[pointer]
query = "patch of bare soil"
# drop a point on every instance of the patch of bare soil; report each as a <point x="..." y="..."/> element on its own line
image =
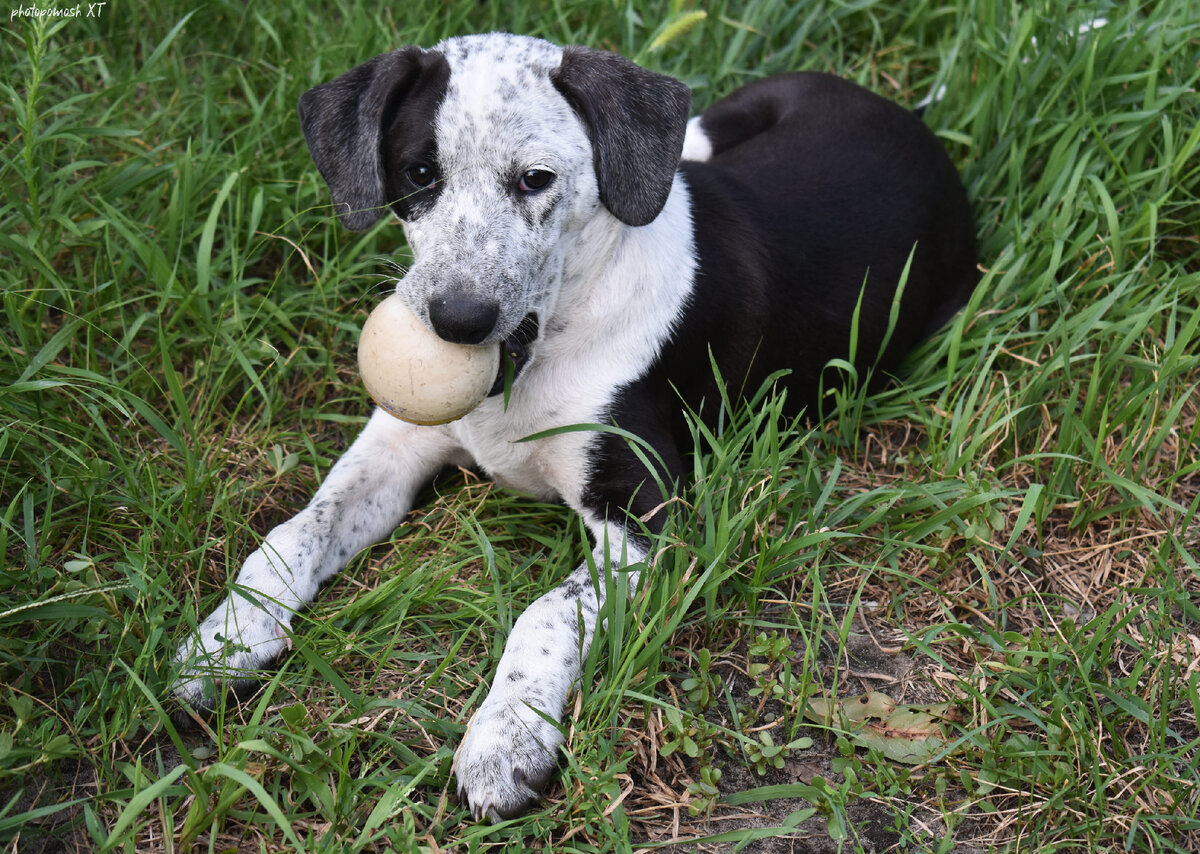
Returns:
<point x="58" y="784"/>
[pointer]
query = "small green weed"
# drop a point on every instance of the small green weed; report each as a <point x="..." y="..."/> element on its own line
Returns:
<point x="703" y="793"/>
<point x="764" y="753"/>
<point x="704" y="687"/>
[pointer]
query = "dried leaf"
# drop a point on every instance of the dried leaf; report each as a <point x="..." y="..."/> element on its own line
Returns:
<point x="909" y="734"/>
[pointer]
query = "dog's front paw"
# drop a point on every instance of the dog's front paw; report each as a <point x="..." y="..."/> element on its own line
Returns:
<point x="507" y="754"/>
<point x="226" y="651"/>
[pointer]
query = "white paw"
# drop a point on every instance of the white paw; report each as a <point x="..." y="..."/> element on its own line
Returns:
<point x="507" y="754"/>
<point x="227" y="650"/>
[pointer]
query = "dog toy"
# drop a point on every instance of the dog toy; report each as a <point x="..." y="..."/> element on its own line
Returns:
<point x="415" y="375"/>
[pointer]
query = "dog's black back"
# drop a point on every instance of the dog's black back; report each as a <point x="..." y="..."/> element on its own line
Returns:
<point x="815" y="194"/>
<point x="836" y="187"/>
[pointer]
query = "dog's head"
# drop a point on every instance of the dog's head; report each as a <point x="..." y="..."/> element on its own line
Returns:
<point x="496" y="152"/>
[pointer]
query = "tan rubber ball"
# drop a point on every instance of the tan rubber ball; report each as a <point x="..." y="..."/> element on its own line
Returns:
<point x="415" y="375"/>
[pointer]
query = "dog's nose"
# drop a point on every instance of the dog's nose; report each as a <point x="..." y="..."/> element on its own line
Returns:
<point x="463" y="319"/>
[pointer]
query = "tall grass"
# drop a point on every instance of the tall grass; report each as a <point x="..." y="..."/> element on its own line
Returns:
<point x="1017" y="512"/>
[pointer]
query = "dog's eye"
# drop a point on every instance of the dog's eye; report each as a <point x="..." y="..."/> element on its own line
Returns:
<point x="534" y="180"/>
<point x="420" y="174"/>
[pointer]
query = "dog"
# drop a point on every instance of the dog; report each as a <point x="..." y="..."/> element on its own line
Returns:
<point x="560" y="203"/>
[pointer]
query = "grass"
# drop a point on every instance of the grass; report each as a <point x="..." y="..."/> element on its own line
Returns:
<point x="1011" y="527"/>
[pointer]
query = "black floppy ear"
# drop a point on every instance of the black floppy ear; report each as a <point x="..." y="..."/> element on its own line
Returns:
<point x="636" y="120"/>
<point x="343" y="123"/>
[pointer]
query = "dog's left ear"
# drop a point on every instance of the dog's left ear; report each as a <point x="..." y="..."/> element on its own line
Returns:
<point x="636" y="120"/>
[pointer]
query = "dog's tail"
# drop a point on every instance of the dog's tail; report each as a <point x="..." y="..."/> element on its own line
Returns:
<point x="696" y="144"/>
<point x="932" y="98"/>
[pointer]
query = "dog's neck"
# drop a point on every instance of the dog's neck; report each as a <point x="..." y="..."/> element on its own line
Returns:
<point x="628" y="285"/>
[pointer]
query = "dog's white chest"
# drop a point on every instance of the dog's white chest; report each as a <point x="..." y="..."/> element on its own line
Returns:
<point x="500" y="439"/>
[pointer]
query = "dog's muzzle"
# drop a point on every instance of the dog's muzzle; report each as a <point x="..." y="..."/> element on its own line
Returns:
<point x="514" y="353"/>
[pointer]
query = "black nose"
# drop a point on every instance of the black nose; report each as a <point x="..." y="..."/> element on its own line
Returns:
<point x="463" y="319"/>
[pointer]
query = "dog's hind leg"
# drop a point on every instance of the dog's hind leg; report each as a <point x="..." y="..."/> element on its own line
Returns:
<point x="363" y="498"/>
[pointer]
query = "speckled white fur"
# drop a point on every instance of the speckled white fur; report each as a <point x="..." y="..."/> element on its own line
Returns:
<point x="607" y="295"/>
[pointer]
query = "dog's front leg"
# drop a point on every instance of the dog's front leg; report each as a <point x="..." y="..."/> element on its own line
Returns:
<point x="510" y="748"/>
<point x="366" y="494"/>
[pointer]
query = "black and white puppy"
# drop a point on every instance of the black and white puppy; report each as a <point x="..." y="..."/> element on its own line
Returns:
<point x="543" y="195"/>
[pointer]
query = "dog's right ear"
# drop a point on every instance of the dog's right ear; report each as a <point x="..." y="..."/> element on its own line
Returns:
<point x="343" y="123"/>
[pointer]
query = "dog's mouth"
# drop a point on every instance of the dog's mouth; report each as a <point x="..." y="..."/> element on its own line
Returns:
<point x="514" y="353"/>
